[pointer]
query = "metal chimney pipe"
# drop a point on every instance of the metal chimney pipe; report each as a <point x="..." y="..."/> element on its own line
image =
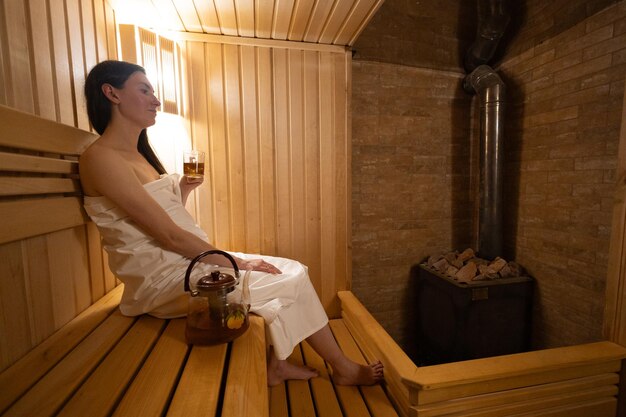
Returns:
<point x="493" y="18"/>
<point x="491" y="91"/>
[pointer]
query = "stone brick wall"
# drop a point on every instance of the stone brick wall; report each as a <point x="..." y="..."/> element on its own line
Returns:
<point x="427" y="34"/>
<point x="414" y="152"/>
<point x="410" y="180"/>
<point x="562" y="132"/>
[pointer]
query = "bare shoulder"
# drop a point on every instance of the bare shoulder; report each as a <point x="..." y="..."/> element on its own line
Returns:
<point x="97" y="165"/>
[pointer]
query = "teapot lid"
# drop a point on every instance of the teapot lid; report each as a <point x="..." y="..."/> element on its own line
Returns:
<point x="216" y="281"/>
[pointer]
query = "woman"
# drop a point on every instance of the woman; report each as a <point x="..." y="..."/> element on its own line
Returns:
<point x="150" y="237"/>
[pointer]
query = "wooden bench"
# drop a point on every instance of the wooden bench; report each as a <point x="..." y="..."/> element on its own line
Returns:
<point x="67" y="350"/>
<point x="97" y="361"/>
<point x="581" y="380"/>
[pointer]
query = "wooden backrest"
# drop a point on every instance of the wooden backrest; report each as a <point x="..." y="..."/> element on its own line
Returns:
<point x="39" y="162"/>
<point x="51" y="261"/>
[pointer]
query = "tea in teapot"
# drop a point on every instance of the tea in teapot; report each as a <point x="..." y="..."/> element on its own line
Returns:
<point x="213" y="315"/>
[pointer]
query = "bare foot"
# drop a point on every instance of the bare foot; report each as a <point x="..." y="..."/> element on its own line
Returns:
<point x="357" y="374"/>
<point x="278" y="371"/>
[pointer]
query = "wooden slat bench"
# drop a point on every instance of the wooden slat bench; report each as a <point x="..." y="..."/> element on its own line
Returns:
<point x="103" y="363"/>
<point x="78" y="355"/>
<point x="66" y="349"/>
<point x="581" y="380"/>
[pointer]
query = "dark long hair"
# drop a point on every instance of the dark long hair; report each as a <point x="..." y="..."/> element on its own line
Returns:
<point x="99" y="107"/>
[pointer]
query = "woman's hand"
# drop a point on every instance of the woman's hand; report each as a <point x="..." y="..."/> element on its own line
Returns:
<point x="188" y="184"/>
<point x="257" y="265"/>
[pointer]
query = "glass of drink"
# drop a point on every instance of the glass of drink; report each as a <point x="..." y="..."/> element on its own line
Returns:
<point x="193" y="163"/>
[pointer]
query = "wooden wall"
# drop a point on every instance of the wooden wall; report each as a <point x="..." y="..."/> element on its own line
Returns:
<point x="46" y="49"/>
<point x="273" y="118"/>
<point x="274" y="121"/>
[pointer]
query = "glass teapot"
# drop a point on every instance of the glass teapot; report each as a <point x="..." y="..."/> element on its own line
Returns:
<point x="213" y="315"/>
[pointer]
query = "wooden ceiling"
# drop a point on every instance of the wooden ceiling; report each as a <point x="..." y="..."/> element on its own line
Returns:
<point x="332" y="22"/>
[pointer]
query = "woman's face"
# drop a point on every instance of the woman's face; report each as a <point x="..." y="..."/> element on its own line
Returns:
<point x="137" y="101"/>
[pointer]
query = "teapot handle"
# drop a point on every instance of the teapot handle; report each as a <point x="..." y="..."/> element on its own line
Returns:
<point x="202" y="255"/>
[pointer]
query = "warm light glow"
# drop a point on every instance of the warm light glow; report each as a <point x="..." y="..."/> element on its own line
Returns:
<point x="135" y="12"/>
<point x="169" y="139"/>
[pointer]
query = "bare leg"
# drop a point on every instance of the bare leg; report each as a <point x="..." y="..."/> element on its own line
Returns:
<point x="279" y="371"/>
<point x="346" y="372"/>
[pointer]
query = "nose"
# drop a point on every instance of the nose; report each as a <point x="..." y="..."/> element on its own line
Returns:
<point x="156" y="101"/>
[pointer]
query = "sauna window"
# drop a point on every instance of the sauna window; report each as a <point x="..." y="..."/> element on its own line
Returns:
<point x="160" y="57"/>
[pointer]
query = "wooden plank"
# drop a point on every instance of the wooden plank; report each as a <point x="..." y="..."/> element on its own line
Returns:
<point x="50" y="393"/>
<point x="300" y="399"/>
<point x="100" y="392"/>
<point x="338" y="16"/>
<point x="267" y="151"/>
<point x="29" y="163"/>
<point x="355" y="21"/>
<point x="218" y="147"/>
<point x="283" y="10"/>
<point x="503" y="398"/>
<point x="90" y="46"/>
<point x="43" y="135"/>
<point x="128" y="43"/>
<point x="326" y="403"/>
<point x="101" y="34"/>
<point x="28" y="218"/>
<point x="233" y="152"/>
<point x="23" y="374"/>
<point x="265" y="43"/>
<point x="349" y="397"/>
<point x="18" y="65"/>
<point x="188" y="14"/>
<point x="512" y="371"/>
<point x="284" y="232"/>
<point x="111" y="29"/>
<point x="67" y="251"/>
<point x="94" y="252"/>
<point x="245" y="17"/>
<point x="317" y="21"/>
<point x="150" y="391"/>
<point x="60" y="275"/>
<point x="383" y="346"/>
<point x="537" y="405"/>
<point x="77" y="57"/>
<point x="250" y="148"/>
<point x="311" y="142"/>
<point x="38" y="288"/>
<point x="376" y="344"/>
<point x="502" y="383"/>
<point x="297" y="161"/>
<point x="199" y="386"/>
<point x="278" y="401"/>
<point x="208" y="17"/>
<point x="62" y="71"/>
<point x="246" y="385"/>
<point x="328" y="197"/>
<point x="342" y="193"/>
<point x="377" y="402"/>
<point x="44" y="93"/>
<point x="227" y="16"/>
<point x="300" y="19"/>
<point x="12" y="186"/>
<point x="16" y="338"/>
<point x="604" y="407"/>
<point x="264" y="10"/>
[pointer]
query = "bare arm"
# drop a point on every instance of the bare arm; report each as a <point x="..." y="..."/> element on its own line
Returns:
<point x="108" y="174"/>
<point x="187" y="185"/>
